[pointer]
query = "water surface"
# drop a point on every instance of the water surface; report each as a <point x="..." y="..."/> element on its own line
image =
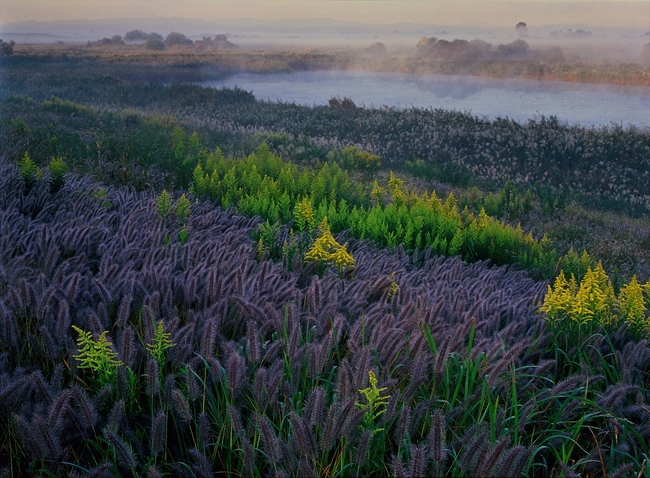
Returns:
<point x="574" y="103"/>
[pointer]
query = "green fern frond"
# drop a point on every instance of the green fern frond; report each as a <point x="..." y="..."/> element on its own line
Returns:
<point x="160" y="343"/>
<point x="97" y="356"/>
<point x="375" y="399"/>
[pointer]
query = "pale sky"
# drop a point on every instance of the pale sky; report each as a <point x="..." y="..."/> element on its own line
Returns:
<point x="617" y="13"/>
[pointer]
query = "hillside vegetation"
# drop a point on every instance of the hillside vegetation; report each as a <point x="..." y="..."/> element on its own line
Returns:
<point x="195" y="283"/>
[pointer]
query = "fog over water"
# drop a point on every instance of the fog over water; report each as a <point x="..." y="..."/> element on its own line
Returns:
<point x="574" y="103"/>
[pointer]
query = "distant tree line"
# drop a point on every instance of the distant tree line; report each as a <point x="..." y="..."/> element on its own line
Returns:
<point x="114" y="40"/>
<point x="139" y="35"/>
<point x="570" y="33"/>
<point x="155" y="41"/>
<point x="219" y="42"/>
<point x="433" y="48"/>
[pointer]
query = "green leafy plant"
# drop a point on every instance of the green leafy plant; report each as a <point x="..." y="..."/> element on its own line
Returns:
<point x="101" y="195"/>
<point x="97" y="355"/>
<point x="396" y="189"/>
<point x="377" y="194"/>
<point x="159" y="344"/>
<point x="375" y="404"/>
<point x="164" y="205"/>
<point x="261" y="249"/>
<point x="303" y="214"/>
<point x="57" y="168"/>
<point x="182" y="236"/>
<point x="183" y="210"/>
<point x="28" y="170"/>
<point x="353" y="158"/>
<point x="576" y="264"/>
<point x="267" y="233"/>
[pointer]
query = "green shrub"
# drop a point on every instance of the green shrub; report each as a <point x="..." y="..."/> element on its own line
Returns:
<point x="29" y="171"/>
<point x="57" y="168"/>
<point x="265" y="185"/>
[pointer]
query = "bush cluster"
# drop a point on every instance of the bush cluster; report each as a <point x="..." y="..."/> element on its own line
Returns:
<point x="592" y="303"/>
<point x="265" y="185"/>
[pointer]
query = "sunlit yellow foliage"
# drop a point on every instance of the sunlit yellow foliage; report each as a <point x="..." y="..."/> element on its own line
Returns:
<point x="394" y="286"/>
<point x="631" y="305"/>
<point x="159" y="344"/>
<point x="596" y="298"/>
<point x="261" y="249"/>
<point x="304" y="215"/>
<point x="342" y="259"/>
<point x="395" y="188"/>
<point x="377" y="194"/>
<point x="594" y="303"/>
<point x="559" y="300"/>
<point x="97" y="355"/>
<point x="376" y="402"/>
<point x="200" y="181"/>
<point x="326" y="250"/>
<point x="390" y="214"/>
<point x="482" y="220"/>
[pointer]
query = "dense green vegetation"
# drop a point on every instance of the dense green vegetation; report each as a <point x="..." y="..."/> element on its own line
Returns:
<point x="226" y="298"/>
<point x="265" y="185"/>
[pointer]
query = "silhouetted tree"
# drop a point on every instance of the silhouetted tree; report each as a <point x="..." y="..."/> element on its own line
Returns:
<point x="377" y="48"/>
<point x="7" y="48"/>
<point x="135" y="35"/>
<point x="522" y="29"/>
<point x="447" y="50"/>
<point x="554" y="54"/>
<point x="175" y="38"/>
<point x="155" y="44"/>
<point x="517" y="48"/>
<point x="219" y="42"/>
<point x="425" y="45"/>
<point x="483" y="46"/>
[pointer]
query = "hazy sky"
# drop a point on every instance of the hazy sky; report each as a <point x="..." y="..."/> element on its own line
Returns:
<point x="625" y="13"/>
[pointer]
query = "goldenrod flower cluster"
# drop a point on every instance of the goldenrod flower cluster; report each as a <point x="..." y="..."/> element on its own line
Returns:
<point x="326" y="250"/>
<point x="594" y="303"/>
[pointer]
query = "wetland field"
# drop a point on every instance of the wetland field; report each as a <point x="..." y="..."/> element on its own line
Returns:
<point x="323" y="262"/>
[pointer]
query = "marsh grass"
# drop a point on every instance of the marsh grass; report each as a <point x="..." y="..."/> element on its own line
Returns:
<point x="232" y="361"/>
<point x="264" y="377"/>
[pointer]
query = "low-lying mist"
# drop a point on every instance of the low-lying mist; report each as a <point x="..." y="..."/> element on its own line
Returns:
<point x="578" y="42"/>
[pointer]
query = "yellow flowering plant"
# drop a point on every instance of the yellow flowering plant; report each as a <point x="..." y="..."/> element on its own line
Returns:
<point x="326" y="251"/>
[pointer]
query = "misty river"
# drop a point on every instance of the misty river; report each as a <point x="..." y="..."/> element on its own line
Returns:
<point x="574" y="103"/>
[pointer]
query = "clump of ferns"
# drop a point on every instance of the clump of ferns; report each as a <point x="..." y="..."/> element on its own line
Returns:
<point x="271" y="243"/>
<point x="266" y="236"/>
<point x="52" y="175"/>
<point x="98" y="357"/>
